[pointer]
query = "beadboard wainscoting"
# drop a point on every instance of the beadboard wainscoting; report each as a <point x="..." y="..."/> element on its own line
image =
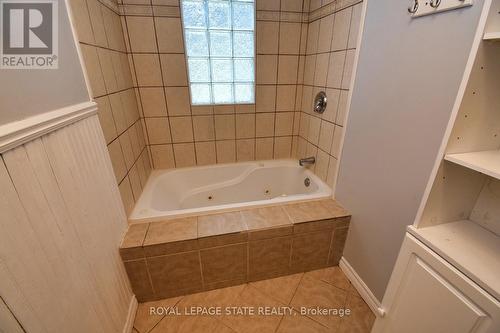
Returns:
<point x="62" y="221"/>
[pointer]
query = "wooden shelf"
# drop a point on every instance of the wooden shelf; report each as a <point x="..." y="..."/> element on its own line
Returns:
<point x="487" y="162"/>
<point x="491" y="35"/>
<point x="473" y="250"/>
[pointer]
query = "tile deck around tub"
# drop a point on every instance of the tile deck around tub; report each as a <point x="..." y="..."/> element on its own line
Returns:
<point x="188" y="255"/>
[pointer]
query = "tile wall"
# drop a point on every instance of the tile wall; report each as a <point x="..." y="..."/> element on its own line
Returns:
<point x="331" y="46"/>
<point x="134" y="55"/>
<point x="179" y="134"/>
<point x="100" y="35"/>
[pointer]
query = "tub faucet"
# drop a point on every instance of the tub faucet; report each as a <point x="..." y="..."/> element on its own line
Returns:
<point x="307" y="160"/>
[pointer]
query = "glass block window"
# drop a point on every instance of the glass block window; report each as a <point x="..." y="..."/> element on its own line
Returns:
<point x="219" y="37"/>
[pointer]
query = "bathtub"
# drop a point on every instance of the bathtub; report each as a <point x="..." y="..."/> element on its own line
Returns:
<point x="225" y="187"/>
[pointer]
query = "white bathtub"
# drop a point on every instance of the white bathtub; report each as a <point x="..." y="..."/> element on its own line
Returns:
<point x="225" y="187"/>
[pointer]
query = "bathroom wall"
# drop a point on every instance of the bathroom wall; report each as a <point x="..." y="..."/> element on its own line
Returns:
<point x="408" y="76"/>
<point x="102" y="43"/>
<point x="61" y="214"/>
<point x="179" y="134"/>
<point x="331" y="46"/>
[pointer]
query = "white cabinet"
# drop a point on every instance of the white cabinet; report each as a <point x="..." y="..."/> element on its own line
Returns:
<point x="428" y="295"/>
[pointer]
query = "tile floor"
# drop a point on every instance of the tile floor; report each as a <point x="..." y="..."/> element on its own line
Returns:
<point x="325" y="288"/>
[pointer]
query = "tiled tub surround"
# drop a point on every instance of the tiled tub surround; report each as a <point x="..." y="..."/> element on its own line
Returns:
<point x="180" y="134"/>
<point x="188" y="255"/>
<point x="99" y="31"/>
<point x="331" y="47"/>
<point x="216" y="188"/>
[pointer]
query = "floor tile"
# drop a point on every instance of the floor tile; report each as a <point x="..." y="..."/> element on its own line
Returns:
<point x="186" y="324"/>
<point x="313" y="293"/>
<point x="333" y="276"/>
<point x="361" y="318"/>
<point x="281" y="289"/>
<point x="300" y="324"/>
<point x="252" y="298"/>
<point x="144" y="321"/>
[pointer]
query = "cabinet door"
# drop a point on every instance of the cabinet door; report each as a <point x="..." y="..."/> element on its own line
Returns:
<point x="426" y="294"/>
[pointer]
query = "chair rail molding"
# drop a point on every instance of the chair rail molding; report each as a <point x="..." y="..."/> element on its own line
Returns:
<point x="16" y="133"/>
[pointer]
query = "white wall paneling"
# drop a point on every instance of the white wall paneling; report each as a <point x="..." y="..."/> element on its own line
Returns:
<point x="62" y="222"/>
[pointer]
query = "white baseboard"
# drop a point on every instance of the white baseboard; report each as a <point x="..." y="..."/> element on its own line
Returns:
<point x="362" y="288"/>
<point x="132" y="309"/>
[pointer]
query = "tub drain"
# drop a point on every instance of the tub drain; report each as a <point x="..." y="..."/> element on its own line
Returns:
<point x="210" y="197"/>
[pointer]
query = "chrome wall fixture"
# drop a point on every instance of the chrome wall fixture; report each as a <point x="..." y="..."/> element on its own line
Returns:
<point x="320" y="102"/>
<point x="413" y="7"/>
<point x="418" y="8"/>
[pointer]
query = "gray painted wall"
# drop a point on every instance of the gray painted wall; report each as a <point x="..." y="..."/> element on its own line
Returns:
<point x="408" y="76"/>
<point x="25" y="93"/>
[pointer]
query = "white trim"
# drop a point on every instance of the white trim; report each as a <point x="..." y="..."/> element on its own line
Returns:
<point x="362" y="288"/>
<point x="19" y="132"/>
<point x="132" y="309"/>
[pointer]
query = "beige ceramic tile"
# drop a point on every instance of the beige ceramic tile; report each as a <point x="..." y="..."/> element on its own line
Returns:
<point x="355" y="24"/>
<point x="281" y="289"/>
<point x="219" y="224"/>
<point x="178" y="101"/>
<point x="265" y="124"/>
<point x="184" y="155"/>
<point x="162" y="156"/>
<point x="314" y="293"/>
<point x="269" y="257"/>
<point x="205" y="153"/>
<point x="267" y="37"/>
<point x="341" y="29"/>
<point x="292" y="5"/>
<point x="265" y="97"/>
<point x="153" y="102"/>
<point x="285" y="98"/>
<point x="185" y="324"/>
<point x="225" y="127"/>
<point x="310" y="66"/>
<point x="106" y="118"/>
<point x="284" y="124"/>
<point x="322" y="160"/>
<point x="348" y="68"/>
<point x="312" y="37"/>
<point x="301" y="324"/>
<point x="204" y="129"/>
<point x="226" y="151"/>
<point x="137" y="273"/>
<point x="337" y="137"/>
<point x="361" y="318"/>
<point x="282" y="147"/>
<point x="173" y="68"/>
<point x="82" y="21"/>
<point x="315" y="210"/>
<point x="265" y="217"/>
<point x="336" y="69"/>
<point x="141" y="32"/>
<point x="245" y="150"/>
<point x="330" y="113"/>
<point x="287" y="69"/>
<point x="169" y="34"/>
<point x="158" y="130"/>
<point x="93" y="68"/>
<point x="147" y="68"/>
<point x="251" y="297"/>
<point x="97" y="22"/>
<point x="321" y="70"/>
<point x="326" y="136"/>
<point x="264" y="149"/>
<point x="332" y="275"/>
<point x="268" y="5"/>
<point x="182" y="129"/>
<point x="144" y="321"/>
<point x="267" y="69"/>
<point x="313" y="133"/>
<point x="289" y="37"/>
<point x="310" y="250"/>
<point x="117" y="160"/>
<point x="325" y="33"/>
<point x="224" y="263"/>
<point x="175" y="273"/>
<point x="245" y="126"/>
<point x="131" y="246"/>
<point x="172" y="231"/>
